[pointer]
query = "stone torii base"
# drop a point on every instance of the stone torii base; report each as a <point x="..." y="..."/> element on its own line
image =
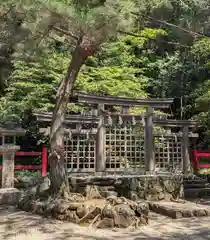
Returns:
<point x="8" y="194"/>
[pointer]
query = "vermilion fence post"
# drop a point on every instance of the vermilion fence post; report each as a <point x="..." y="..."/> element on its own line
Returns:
<point x="195" y="159"/>
<point x="44" y="161"/>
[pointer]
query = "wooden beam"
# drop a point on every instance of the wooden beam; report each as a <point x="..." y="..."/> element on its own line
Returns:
<point x="149" y="142"/>
<point x="175" y="123"/>
<point x="93" y="131"/>
<point x="12" y="132"/>
<point x="120" y="101"/>
<point x="100" y="143"/>
<point x="92" y="119"/>
<point x="180" y="135"/>
<point x="47" y="117"/>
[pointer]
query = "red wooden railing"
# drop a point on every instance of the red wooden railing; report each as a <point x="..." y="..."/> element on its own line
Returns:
<point x="42" y="167"/>
<point x="196" y="155"/>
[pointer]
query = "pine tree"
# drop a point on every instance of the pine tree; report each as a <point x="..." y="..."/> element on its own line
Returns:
<point x="89" y="23"/>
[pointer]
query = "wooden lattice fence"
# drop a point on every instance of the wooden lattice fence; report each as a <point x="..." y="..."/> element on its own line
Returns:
<point x="107" y="141"/>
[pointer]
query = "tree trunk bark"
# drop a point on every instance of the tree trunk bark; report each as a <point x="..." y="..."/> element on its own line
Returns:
<point x="58" y="171"/>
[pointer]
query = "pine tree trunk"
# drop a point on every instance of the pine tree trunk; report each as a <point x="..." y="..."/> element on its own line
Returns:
<point x="58" y="173"/>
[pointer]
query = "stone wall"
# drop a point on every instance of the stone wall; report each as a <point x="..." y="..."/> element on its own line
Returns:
<point x="148" y="187"/>
<point x="155" y="187"/>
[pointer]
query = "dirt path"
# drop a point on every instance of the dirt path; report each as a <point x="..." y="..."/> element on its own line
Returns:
<point x="18" y="225"/>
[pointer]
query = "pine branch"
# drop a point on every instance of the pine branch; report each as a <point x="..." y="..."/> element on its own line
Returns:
<point x="155" y="39"/>
<point x="55" y="13"/>
<point x="171" y="25"/>
<point x="4" y="15"/>
<point x="63" y="31"/>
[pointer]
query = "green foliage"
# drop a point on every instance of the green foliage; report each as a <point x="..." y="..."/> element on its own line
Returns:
<point x="201" y="52"/>
<point x="26" y="173"/>
<point x="123" y="74"/>
<point x="113" y="80"/>
<point x="201" y="55"/>
<point x="33" y="85"/>
<point x="93" y="19"/>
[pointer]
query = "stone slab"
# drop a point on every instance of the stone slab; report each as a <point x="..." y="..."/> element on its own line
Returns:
<point x="196" y="185"/>
<point x="9" y="196"/>
<point x="106" y="194"/>
<point x="177" y="210"/>
<point x="196" y="192"/>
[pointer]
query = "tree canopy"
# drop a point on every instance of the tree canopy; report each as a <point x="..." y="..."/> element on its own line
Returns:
<point x="167" y="55"/>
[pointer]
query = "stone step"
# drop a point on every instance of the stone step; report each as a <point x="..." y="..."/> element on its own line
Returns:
<point x="179" y="210"/>
<point x="203" y="176"/>
<point x="103" y="183"/>
<point x="196" y="185"/>
<point x="106" y="194"/>
<point x="106" y="188"/>
<point x="196" y="192"/>
<point x="195" y="181"/>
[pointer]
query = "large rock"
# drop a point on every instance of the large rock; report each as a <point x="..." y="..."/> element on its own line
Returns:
<point x="49" y="208"/>
<point x="92" y="192"/>
<point x="73" y="206"/>
<point x="106" y="194"/>
<point x="76" y="197"/>
<point x="71" y="216"/>
<point x="43" y="186"/>
<point x="141" y="208"/>
<point x="124" y="216"/>
<point x="105" y="223"/>
<point x="9" y="196"/>
<point x="82" y="210"/>
<point x="38" y="207"/>
<point x="33" y="185"/>
<point x="133" y="196"/>
<point x="122" y="221"/>
<point x="26" y="201"/>
<point x="125" y="210"/>
<point x="113" y="200"/>
<point x="60" y="206"/>
<point x="108" y="211"/>
<point x="93" y="211"/>
<point x="27" y="182"/>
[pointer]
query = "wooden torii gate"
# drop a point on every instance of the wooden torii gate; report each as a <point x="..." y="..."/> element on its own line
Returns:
<point x="97" y="120"/>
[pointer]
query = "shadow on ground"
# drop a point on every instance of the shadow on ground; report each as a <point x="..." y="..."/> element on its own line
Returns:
<point x="23" y="226"/>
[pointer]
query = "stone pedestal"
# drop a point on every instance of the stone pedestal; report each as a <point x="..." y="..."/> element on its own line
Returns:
<point x="8" y="165"/>
<point x="9" y="196"/>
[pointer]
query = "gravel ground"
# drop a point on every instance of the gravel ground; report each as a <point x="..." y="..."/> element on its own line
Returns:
<point x="19" y="225"/>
